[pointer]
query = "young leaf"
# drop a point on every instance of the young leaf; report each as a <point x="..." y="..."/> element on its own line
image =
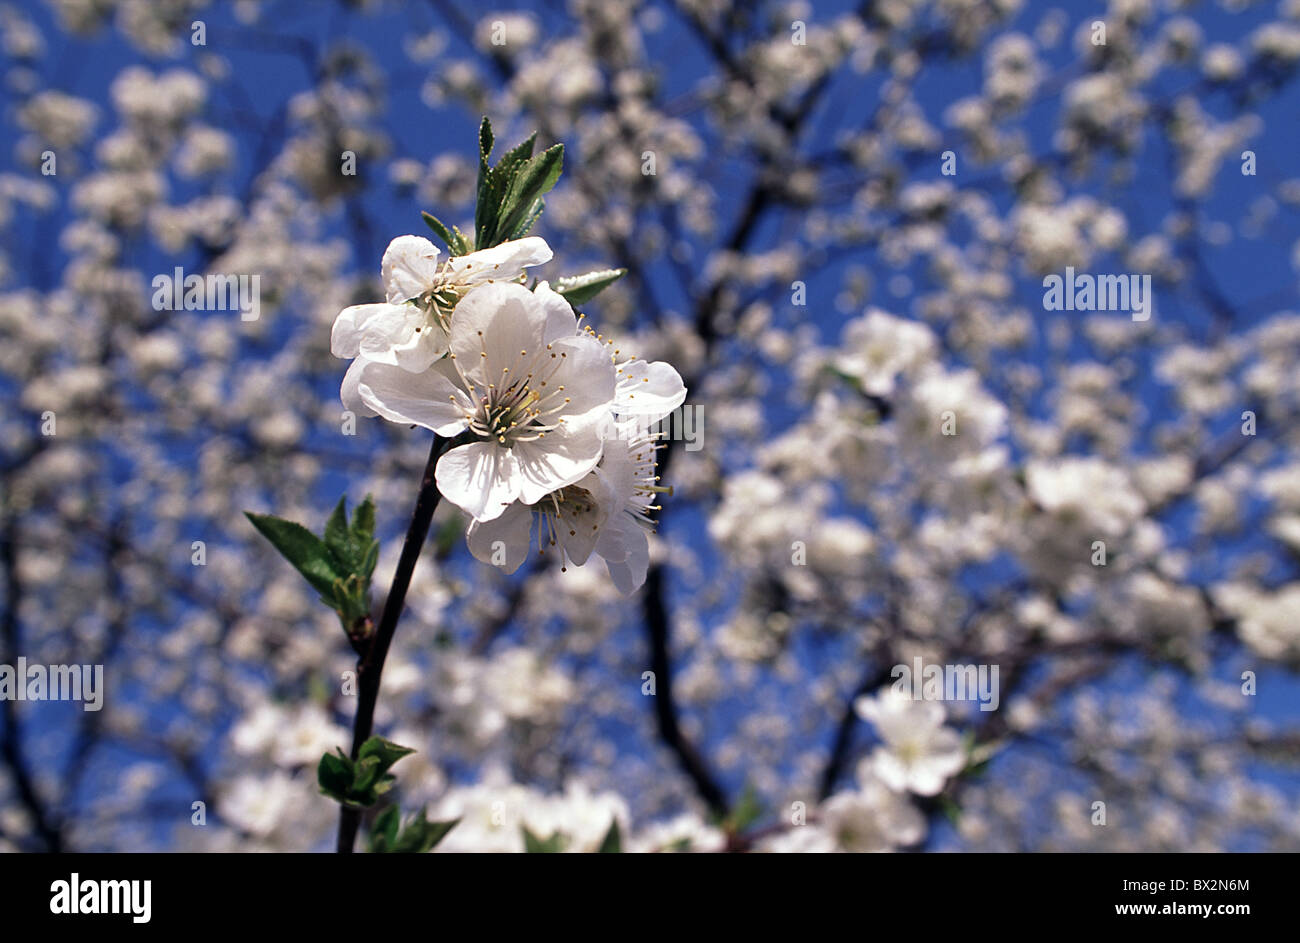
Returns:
<point x="365" y="774"/>
<point x="363" y="522"/>
<point x="534" y="179"/>
<point x="369" y="560"/>
<point x="485" y="141"/>
<point x="535" y="845"/>
<point x="530" y="218"/>
<point x="334" y="775"/>
<point x="612" y="842"/>
<point x="452" y="237"/>
<point x="579" y="289"/>
<point x="360" y="784"/>
<point x="425" y="835"/>
<point x="338" y="535"/>
<point x="484" y="209"/>
<point x="302" y="548"/>
<point x="746" y="812"/>
<point x="383" y="833"/>
<point x="416" y="837"/>
<point x="386" y="751"/>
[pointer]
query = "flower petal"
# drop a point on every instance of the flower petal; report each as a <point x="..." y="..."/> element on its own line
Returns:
<point x="560" y="319"/>
<point x="648" y="390"/>
<point x="629" y="574"/>
<point x="428" y="399"/>
<point x="349" y="393"/>
<point x="587" y="374"/>
<point x="503" y="321"/>
<point x="410" y="267"/>
<point x="392" y="334"/>
<point x="500" y="263"/>
<point x="562" y="458"/>
<point x="481" y="478"/>
<point x="350" y="327"/>
<point x="512" y="530"/>
<point x="579" y="524"/>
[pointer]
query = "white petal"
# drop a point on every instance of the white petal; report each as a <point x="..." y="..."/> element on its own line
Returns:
<point x="512" y="529"/>
<point x="503" y="321"/>
<point x="350" y="326"/>
<point x="619" y="537"/>
<point x="410" y="267"/>
<point x="629" y="574"/>
<point x="501" y="263"/>
<point x="349" y="393"/>
<point x="481" y="478"/>
<point x="649" y="390"/>
<point x="421" y="349"/>
<point x="562" y="458"/>
<point x="428" y="399"/>
<point x="889" y="770"/>
<point x="586" y="372"/>
<point x="560" y="319"/>
<point x="388" y="329"/>
<point x="578" y="529"/>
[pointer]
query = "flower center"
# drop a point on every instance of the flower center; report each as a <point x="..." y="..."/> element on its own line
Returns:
<point x="523" y="404"/>
<point x="438" y="302"/>
<point x="504" y="412"/>
<point x="562" y="513"/>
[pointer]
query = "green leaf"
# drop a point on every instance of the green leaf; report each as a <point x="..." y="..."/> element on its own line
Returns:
<point x="334" y="775"/>
<point x="338" y="535"/>
<point x="383" y="833"/>
<point x="421" y="835"/>
<point x="485" y="141"/>
<point x="484" y="208"/>
<point x="360" y="784"/>
<point x="451" y="237"/>
<point x="432" y="833"/>
<point x="307" y="552"/>
<point x="535" y="845"/>
<point x="579" y="289"/>
<point x="746" y="812"/>
<point x="533" y="180"/>
<point x="366" y="773"/>
<point x="530" y="219"/>
<point x="613" y="841"/>
<point x="386" y="751"/>
<point x="368" y="562"/>
<point x="416" y="837"/>
<point x="363" y="521"/>
<point x="509" y="194"/>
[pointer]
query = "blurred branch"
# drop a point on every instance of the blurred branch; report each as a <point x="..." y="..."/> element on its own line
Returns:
<point x="11" y="746"/>
<point x="666" y="712"/>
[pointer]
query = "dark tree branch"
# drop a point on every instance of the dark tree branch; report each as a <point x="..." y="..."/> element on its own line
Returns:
<point x="371" y="665"/>
<point x="11" y="746"/>
<point x="692" y="763"/>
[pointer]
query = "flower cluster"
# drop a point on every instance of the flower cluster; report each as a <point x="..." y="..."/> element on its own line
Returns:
<point x="553" y="427"/>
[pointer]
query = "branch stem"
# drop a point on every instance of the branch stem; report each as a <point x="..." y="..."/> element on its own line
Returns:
<point x="371" y="665"/>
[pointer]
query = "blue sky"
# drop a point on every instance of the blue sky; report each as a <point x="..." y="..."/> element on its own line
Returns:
<point x="270" y="66"/>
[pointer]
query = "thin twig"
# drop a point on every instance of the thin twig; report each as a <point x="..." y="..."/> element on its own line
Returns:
<point x="371" y="666"/>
